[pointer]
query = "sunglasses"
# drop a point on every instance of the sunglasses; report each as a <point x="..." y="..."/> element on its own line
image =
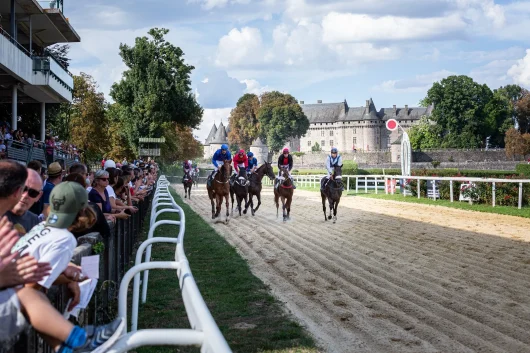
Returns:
<point x="104" y="179"/>
<point x="31" y="192"/>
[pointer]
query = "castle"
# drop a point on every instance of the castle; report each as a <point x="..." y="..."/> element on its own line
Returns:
<point x="338" y="125"/>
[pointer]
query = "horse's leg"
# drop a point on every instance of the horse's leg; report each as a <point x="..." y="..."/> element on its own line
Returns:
<point x="335" y="210"/>
<point x="324" y="198"/>
<point x="219" y="199"/>
<point x="283" y="209"/>
<point x="227" y="213"/>
<point x="232" y="197"/>
<point x="239" y="199"/>
<point x="184" y="190"/>
<point x="330" y="200"/>
<point x="213" y="206"/>
<point x="276" y="199"/>
<point x="246" y="203"/>
<point x="288" y="205"/>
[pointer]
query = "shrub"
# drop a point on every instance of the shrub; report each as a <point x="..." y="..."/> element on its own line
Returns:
<point x="450" y="159"/>
<point x="435" y="164"/>
<point x="523" y="169"/>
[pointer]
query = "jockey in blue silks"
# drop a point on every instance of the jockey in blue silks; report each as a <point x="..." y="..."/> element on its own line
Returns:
<point x="219" y="157"/>
<point x="332" y="160"/>
<point x="252" y="163"/>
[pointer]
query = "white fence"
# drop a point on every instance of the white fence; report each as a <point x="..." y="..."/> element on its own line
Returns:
<point x="204" y="331"/>
<point x="389" y="183"/>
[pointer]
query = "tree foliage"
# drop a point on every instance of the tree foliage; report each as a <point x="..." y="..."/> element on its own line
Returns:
<point x="424" y="135"/>
<point x="522" y="108"/>
<point x="60" y="53"/>
<point x="460" y="111"/>
<point x="243" y="120"/>
<point x="89" y="125"/>
<point x="180" y="144"/>
<point x="155" y="89"/>
<point x="517" y="144"/>
<point x="280" y="117"/>
<point x="499" y="118"/>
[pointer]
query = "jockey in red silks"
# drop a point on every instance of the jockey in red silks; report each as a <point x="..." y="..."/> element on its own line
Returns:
<point x="285" y="161"/>
<point x="240" y="165"/>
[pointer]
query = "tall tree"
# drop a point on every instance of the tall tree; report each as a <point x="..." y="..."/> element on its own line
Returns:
<point x="424" y="135"/>
<point x="89" y="125"/>
<point x="280" y="117"/>
<point x="499" y="118"/>
<point x="459" y="110"/>
<point x="155" y="89"/>
<point x="180" y="144"/>
<point x="523" y="114"/>
<point x="515" y="93"/>
<point x="516" y="143"/>
<point x="243" y="120"/>
<point x="119" y="144"/>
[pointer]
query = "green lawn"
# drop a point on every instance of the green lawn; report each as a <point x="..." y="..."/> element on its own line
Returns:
<point x="233" y="294"/>
<point x="506" y="210"/>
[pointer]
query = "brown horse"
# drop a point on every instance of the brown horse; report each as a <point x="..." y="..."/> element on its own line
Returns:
<point x="219" y="188"/>
<point x="188" y="183"/>
<point x="285" y="192"/>
<point x="331" y="189"/>
<point x="254" y="189"/>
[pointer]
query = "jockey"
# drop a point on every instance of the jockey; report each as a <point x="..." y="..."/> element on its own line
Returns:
<point x="240" y="161"/>
<point x="187" y="166"/>
<point x="252" y="163"/>
<point x="331" y="161"/>
<point x="285" y="161"/>
<point x="221" y="155"/>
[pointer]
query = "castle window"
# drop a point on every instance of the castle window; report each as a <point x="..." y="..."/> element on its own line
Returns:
<point x="355" y="140"/>
<point x="354" y="130"/>
<point x="308" y="143"/>
<point x="331" y="133"/>
<point x="290" y="143"/>
<point x="322" y="133"/>
<point x="322" y="143"/>
<point x="331" y="143"/>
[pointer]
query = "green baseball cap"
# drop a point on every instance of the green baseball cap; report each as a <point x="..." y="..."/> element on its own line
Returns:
<point x="66" y="200"/>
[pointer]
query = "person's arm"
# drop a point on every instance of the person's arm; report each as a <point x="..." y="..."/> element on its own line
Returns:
<point x="245" y="160"/>
<point x="290" y="159"/>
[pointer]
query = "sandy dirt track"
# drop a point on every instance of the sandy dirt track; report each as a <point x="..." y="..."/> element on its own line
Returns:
<point x="391" y="276"/>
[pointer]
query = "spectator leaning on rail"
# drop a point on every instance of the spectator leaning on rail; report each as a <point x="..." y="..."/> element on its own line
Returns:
<point x="19" y="215"/>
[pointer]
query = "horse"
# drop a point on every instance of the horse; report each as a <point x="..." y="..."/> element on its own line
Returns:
<point x="254" y="189"/>
<point x="239" y="187"/>
<point x="188" y="183"/>
<point x="331" y="189"/>
<point x="195" y="178"/>
<point x="219" y="188"/>
<point x="285" y="192"/>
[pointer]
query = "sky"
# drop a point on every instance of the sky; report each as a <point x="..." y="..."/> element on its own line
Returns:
<point x="331" y="50"/>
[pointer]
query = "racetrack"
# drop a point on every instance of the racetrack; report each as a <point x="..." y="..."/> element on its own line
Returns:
<point x="391" y="276"/>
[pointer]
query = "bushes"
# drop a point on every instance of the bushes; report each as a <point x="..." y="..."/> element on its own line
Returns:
<point x="523" y="169"/>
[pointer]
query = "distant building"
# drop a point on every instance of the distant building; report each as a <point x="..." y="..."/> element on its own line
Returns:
<point x="215" y="139"/>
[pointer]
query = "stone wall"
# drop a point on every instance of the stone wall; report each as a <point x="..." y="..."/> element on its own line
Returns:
<point x="317" y="160"/>
<point x="450" y="155"/>
<point x="499" y="165"/>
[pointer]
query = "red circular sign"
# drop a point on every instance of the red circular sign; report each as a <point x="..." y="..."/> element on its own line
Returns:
<point x="391" y="124"/>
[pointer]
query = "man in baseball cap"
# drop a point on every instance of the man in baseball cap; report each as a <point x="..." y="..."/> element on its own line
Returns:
<point x="66" y="200"/>
<point x="55" y="176"/>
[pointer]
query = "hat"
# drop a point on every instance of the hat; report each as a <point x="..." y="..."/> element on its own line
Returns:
<point x="55" y="169"/>
<point x="66" y="200"/>
<point x="109" y="164"/>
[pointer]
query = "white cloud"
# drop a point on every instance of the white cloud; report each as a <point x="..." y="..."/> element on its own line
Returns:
<point x="240" y="48"/>
<point x="255" y="87"/>
<point x="205" y="80"/>
<point x="420" y="83"/>
<point x="348" y="27"/>
<point x="520" y="72"/>
<point x="209" y="117"/>
<point x="211" y="4"/>
<point x="494" y="73"/>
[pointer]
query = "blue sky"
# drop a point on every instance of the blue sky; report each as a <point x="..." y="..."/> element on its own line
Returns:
<point x="388" y="50"/>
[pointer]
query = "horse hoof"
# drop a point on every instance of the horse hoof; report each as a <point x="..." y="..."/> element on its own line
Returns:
<point x="329" y="217"/>
<point x="244" y="211"/>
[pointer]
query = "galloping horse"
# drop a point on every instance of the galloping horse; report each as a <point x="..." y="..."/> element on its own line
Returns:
<point x="188" y="183"/>
<point x="255" y="185"/>
<point x="240" y="189"/>
<point x="195" y="178"/>
<point x="332" y="191"/>
<point x="219" y="188"/>
<point x="285" y="192"/>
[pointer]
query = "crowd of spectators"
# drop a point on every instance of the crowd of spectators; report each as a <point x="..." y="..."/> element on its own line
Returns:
<point x="42" y="213"/>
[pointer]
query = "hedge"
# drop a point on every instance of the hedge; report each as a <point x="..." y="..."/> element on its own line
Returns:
<point x="523" y="169"/>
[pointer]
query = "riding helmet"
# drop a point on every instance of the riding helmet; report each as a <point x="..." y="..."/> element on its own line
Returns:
<point x="250" y="154"/>
<point x="241" y="151"/>
<point x="286" y="150"/>
<point x="334" y="150"/>
<point x="224" y="147"/>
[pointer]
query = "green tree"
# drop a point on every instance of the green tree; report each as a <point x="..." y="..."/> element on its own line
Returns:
<point x="517" y="144"/>
<point x="424" y="135"/>
<point x="243" y="120"/>
<point x="280" y="117"/>
<point x="523" y="114"/>
<point x="499" y="118"/>
<point x="180" y="144"/>
<point x="460" y="111"/>
<point x="316" y="147"/>
<point x="514" y="93"/>
<point x="89" y="125"/>
<point x="155" y="89"/>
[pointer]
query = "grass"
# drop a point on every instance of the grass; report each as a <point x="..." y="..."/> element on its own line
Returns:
<point x="233" y="295"/>
<point x="505" y="210"/>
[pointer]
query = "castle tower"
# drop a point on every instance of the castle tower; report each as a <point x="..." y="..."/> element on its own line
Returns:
<point x="260" y="150"/>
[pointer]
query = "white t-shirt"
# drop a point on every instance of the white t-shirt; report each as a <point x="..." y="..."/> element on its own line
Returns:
<point x="48" y="244"/>
<point x="110" y="191"/>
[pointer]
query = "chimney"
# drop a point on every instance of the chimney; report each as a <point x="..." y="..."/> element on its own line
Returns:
<point x="301" y="102"/>
<point x="367" y="103"/>
<point x="395" y="110"/>
<point x="319" y="101"/>
<point x="406" y="109"/>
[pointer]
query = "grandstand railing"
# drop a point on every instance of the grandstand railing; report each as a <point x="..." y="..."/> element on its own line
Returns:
<point x="204" y="331"/>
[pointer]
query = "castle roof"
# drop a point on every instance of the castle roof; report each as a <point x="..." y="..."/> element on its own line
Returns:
<point x="336" y="112"/>
<point x="221" y="135"/>
<point x="258" y="143"/>
<point x="211" y="135"/>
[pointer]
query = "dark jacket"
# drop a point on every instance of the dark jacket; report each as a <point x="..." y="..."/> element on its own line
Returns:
<point x="289" y="159"/>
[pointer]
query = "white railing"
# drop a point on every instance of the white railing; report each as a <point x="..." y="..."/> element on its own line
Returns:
<point x="204" y="331"/>
<point x="389" y="183"/>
